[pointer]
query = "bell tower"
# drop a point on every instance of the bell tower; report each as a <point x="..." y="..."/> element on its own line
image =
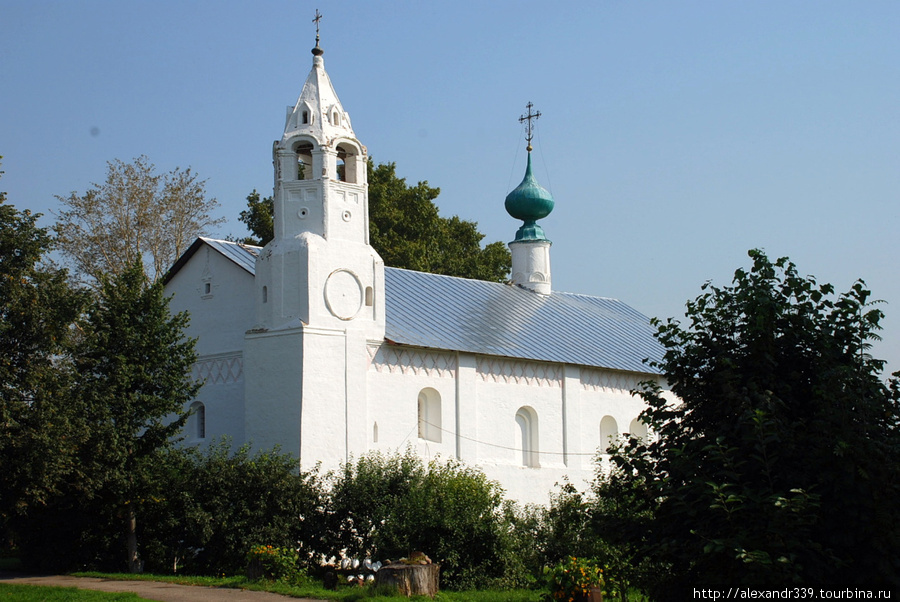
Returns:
<point x="320" y="269"/>
<point x="319" y="287"/>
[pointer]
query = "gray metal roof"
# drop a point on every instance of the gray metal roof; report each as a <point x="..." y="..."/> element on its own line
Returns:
<point x="243" y="255"/>
<point x="429" y="310"/>
<point x="457" y="314"/>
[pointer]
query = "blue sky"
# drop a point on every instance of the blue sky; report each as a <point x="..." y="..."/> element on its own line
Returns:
<point x="675" y="136"/>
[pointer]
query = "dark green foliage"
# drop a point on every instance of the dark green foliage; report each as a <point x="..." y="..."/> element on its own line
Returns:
<point x="209" y="507"/>
<point x="131" y="380"/>
<point x="389" y="506"/>
<point x="406" y="229"/>
<point x="408" y="232"/>
<point x="38" y="429"/>
<point x="781" y="463"/>
<point x="258" y="217"/>
<point x="591" y="526"/>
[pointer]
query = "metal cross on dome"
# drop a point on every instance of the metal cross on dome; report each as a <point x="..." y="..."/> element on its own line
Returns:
<point x="529" y="127"/>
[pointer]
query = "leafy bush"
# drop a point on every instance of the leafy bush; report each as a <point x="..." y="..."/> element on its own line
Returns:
<point x="574" y="578"/>
<point x="389" y="506"/>
<point x="276" y="564"/>
<point x="213" y="505"/>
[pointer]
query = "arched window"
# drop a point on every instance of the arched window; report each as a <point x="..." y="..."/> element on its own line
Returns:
<point x="375" y="433"/>
<point x="527" y="436"/>
<point x="430" y="415"/>
<point x="609" y="433"/>
<point x="638" y="429"/>
<point x="335" y="118"/>
<point x="197" y="421"/>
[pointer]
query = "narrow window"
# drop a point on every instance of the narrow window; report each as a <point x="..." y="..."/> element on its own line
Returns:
<point x="375" y="433"/>
<point x="430" y="415"/>
<point x="305" y="116"/>
<point x="609" y="433"/>
<point x="527" y="436"/>
<point x="335" y="119"/>
<point x="207" y="287"/>
<point x="198" y="420"/>
<point x="370" y="297"/>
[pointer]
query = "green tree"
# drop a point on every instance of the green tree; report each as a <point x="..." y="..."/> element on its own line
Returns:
<point x="134" y="381"/>
<point x="136" y="214"/>
<point x="406" y="229"/>
<point x="779" y="461"/>
<point x="208" y="507"/>
<point x="38" y="428"/>
<point x="258" y="219"/>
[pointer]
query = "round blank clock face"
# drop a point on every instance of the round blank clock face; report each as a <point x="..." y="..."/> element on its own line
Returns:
<point x="343" y="294"/>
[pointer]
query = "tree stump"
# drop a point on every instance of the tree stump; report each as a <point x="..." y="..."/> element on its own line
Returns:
<point x="411" y="579"/>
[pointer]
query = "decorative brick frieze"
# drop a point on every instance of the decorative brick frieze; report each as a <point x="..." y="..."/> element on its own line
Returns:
<point x="410" y="360"/>
<point x="536" y="374"/>
<point x="608" y="381"/>
<point x="219" y="369"/>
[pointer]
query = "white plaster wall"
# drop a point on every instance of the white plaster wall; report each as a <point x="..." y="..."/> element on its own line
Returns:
<point x="395" y="378"/>
<point x="220" y="318"/>
<point x="273" y="377"/>
<point x="218" y="321"/>
<point x="480" y="397"/>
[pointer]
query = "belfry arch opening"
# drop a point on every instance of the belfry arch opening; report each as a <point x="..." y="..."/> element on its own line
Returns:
<point x="304" y="160"/>
<point x="348" y="163"/>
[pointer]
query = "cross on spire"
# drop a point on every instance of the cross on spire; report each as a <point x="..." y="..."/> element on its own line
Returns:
<point x="317" y="51"/>
<point x="530" y="118"/>
<point x="316" y="21"/>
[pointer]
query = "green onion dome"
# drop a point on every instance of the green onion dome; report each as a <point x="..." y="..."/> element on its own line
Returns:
<point x="529" y="202"/>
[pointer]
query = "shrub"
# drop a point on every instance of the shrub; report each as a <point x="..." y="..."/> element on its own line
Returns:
<point x="574" y="578"/>
<point x="388" y="506"/>
<point x="275" y="564"/>
<point x="213" y="505"/>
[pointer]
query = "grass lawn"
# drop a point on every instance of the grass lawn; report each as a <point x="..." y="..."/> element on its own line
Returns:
<point x="344" y="593"/>
<point x="40" y="593"/>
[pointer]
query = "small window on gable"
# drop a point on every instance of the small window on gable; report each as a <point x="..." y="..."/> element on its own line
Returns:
<point x="430" y="415"/>
<point x="370" y="297"/>
<point x="197" y="421"/>
<point x="335" y="118"/>
<point x="305" y="117"/>
<point x="207" y="288"/>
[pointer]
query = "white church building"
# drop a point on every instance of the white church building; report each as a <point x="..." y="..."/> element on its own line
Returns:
<point x="313" y="345"/>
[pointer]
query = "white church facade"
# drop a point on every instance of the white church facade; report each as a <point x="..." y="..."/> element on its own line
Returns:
<point x="313" y="345"/>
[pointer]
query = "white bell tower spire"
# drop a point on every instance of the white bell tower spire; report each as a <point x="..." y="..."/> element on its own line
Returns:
<point x="319" y="287"/>
<point x="320" y="269"/>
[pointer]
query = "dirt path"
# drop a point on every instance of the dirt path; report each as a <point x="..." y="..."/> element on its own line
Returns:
<point x="151" y="590"/>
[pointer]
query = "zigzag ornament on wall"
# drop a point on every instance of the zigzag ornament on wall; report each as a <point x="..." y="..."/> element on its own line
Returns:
<point x="492" y="369"/>
<point x="219" y="369"/>
<point x="402" y="360"/>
